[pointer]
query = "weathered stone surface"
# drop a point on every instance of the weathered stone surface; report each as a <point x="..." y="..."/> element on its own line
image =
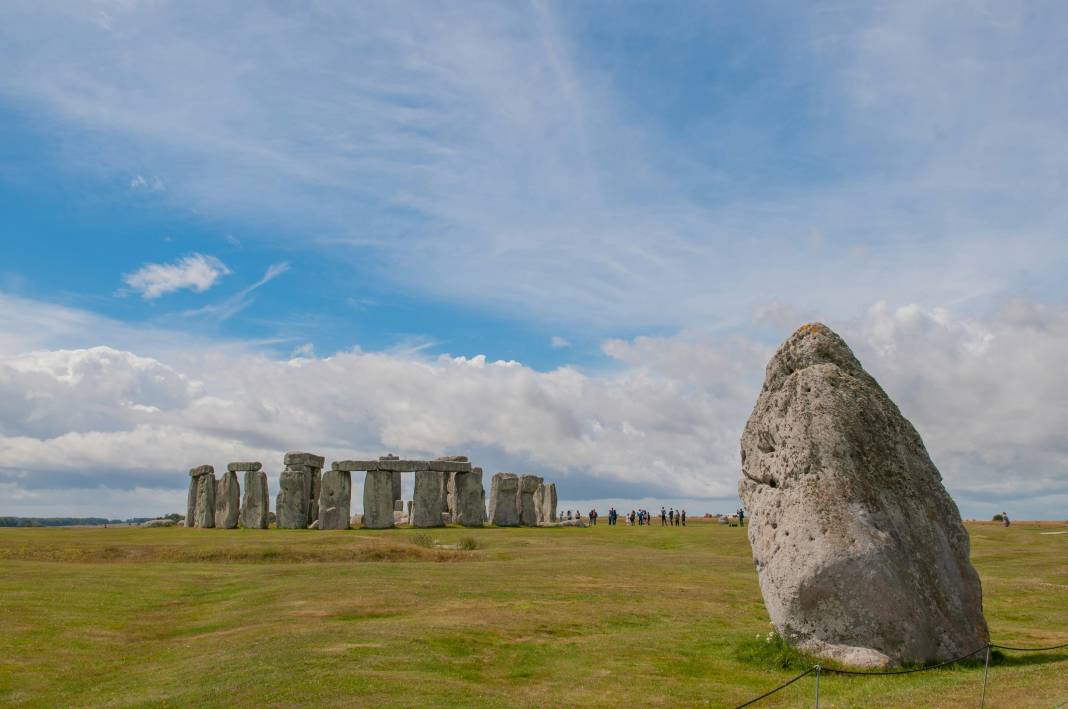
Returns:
<point x="335" y="499"/>
<point x="398" y="505"/>
<point x="227" y="501"/>
<point x="204" y="510"/>
<point x="860" y="552"/>
<point x="378" y="499"/>
<point x="504" y="496"/>
<point x="399" y="517"/>
<point x="528" y="514"/>
<point x="315" y="481"/>
<point x="545" y="503"/>
<point x="301" y="458"/>
<point x="255" y="501"/>
<point x="396" y="486"/>
<point x="469" y="499"/>
<point x="201" y="470"/>
<point x="427" y="499"/>
<point x="191" y="501"/>
<point x="448" y="466"/>
<point x="389" y="456"/>
<point x="158" y="523"/>
<point x="452" y="459"/>
<point x="244" y="466"/>
<point x="393" y="465"/>
<point x="291" y="505"/>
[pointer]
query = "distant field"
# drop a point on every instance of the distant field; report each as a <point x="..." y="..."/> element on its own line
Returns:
<point x="620" y="617"/>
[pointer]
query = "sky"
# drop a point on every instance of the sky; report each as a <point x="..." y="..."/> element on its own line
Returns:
<point x="562" y="238"/>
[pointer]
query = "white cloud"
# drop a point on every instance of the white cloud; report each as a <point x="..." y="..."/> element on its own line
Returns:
<point x="196" y="272"/>
<point x="231" y="306"/>
<point x="984" y="392"/>
<point x="559" y="343"/>
<point x="149" y="184"/>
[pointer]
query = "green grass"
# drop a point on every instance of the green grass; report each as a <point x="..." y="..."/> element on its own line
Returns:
<point x="513" y="618"/>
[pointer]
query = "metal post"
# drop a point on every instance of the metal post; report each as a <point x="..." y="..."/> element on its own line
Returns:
<point x="986" y="672"/>
<point x="818" y="686"/>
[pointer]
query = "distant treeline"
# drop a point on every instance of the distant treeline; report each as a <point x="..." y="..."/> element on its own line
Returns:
<point x="54" y="521"/>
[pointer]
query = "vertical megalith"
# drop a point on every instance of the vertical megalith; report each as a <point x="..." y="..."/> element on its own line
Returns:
<point x="396" y="486"/>
<point x="860" y="551"/>
<point x="227" y="501"/>
<point x="255" y="503"/>
<point x="504" y="493"/>
<point x="469" y="498"/>
<point x="545" y="503"/>
<point x="428" y="502"/>
<point x="528" y="513"/>
<point x="335" y="499"/>
<point x="378" y="499"/>
<point x="300" y="501"/>
<point x="202" y="492"/>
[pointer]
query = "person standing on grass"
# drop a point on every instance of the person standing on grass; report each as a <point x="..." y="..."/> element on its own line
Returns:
<point x="671" y="517"/>
<point x="684" y="518"/>
<point x="741" y="516"/>
<point x="1005" y="518"/>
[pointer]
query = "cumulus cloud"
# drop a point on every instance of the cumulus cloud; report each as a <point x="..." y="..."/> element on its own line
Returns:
<point x="985" y="393"/>
<point x="196" y="272"/>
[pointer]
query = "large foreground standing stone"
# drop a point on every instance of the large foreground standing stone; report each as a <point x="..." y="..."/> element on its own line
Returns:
<point x="428" y="499"/>
<point x="468" y="498"/>
<point x="545" y="503"/>
<point x="227" y="501"/>
<point x="291" y="506"/>
<point x="504" y="494"/>
<point x="528" y="513"/>
<point x="378" y="499"/>
<point x="335" y="498"/>
<point x="255" y="503"/>
<point x="200" y="504"/>
<point x="860" y="552"/>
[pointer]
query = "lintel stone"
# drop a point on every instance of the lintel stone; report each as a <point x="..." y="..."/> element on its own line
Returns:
<point x="248" y="466"/>
<point x="299" y="458"/>
<point x="201" y="470"/>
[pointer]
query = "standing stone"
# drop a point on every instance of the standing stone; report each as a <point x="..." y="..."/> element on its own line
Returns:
<point x="291" y="505"/>
<point x="191" y="498"/>
<point x="396" y="486"/>
<point x="528" y="514"/>
<point x="308" y="468"/>
<point x="227" y="501"/>
<point x="409" y="509"/>
<point x="469" y="507"/>
<point x="504" y="493"/>
<point x="429" y="487"/>
<point x="378" y="499"/>
<point x="545" y="503"/>
<point x="204" y="514"/>
<point x="204" y="511"/>
<point x="335" y="499"/>
<point x="255" y="503"/>
<point x="860" y="552"/>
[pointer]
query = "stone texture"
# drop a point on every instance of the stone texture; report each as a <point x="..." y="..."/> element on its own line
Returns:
<point x="528" y="514"/>
<point x="397" y="487"/>
<point x="291" y="505"/>
<point x="191" y="501"/>
<point x="378" y="499"/>
<point x="335" y="500"/>
<point x="399" y="517"/>
<point x="244" y="466"/>
<point x="504" y="494"/>
<point x="158" y="523"/>
<point x="469" y="499"/>
<point x="204" y="509"/>
<point x="315" y="482"/>
<point x="301" y="458"/>
<point x="860" y="552"/>
<point x="448" y="466"/>
<point x="227" y="501"/>
<point x="427" y="499"/>
<point x="545" y="503"/>
<point x="356" y="521"/>
<point x="255" y="501"/>
<point x="201" y="470"/>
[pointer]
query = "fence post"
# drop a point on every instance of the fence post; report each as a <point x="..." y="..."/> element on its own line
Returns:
<point x="818" y="668"/>
<point x="986" y="672"/>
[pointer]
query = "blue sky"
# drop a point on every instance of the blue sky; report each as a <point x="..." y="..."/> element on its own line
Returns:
<point x="565" y="236"/>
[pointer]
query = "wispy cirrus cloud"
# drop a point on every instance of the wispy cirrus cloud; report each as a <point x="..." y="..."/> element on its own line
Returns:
<point x="229" y="307"/>
<point x="196" y="272"/>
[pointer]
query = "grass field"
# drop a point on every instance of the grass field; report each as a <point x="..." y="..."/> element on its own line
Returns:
<point x="605" y="616"/>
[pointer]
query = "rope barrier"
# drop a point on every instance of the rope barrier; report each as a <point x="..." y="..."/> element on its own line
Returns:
<point x="809" y="671"/>
<point x="818" y="669"/>
<point x="1029" y="649"/>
